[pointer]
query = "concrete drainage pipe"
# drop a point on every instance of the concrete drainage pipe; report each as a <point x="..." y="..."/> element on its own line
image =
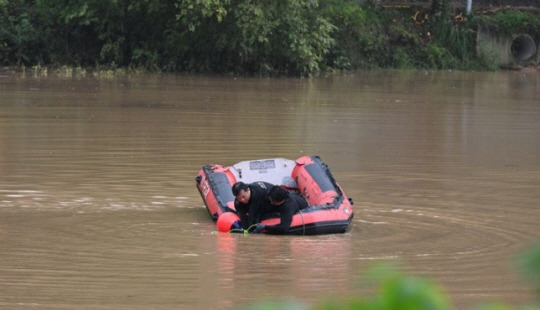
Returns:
<point x="523" y="48"/>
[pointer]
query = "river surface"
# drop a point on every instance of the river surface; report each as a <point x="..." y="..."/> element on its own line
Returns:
<point x="99" y="209"/>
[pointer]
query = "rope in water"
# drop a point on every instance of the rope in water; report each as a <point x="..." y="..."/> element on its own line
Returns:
<point x="241" y="230"/>
<point x="246" y="231"/>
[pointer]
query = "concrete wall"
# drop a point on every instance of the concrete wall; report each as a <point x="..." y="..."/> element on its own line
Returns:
<point x="520" y="49"/>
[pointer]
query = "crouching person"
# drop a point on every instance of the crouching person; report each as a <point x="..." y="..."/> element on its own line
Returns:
<point x="251" y="201"/>
<point x="284" y="203"/>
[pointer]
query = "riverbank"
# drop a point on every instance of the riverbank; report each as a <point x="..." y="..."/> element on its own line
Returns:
<point x="301" y="38"/>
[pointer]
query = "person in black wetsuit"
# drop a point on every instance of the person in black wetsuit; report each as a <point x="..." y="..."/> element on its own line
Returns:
<point x="286" y="204"/>
<point x="251" y="201"/>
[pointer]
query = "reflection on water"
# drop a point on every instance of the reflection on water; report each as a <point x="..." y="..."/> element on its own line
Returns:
<point x="99" y="209"/>
<point x="305" y="268"/>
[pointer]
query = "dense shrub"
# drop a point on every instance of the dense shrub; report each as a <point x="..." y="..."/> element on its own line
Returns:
<point x="283" y="37"/>
<point x="270" y="37"/>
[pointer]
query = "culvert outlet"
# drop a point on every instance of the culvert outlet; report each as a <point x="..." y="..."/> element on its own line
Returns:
<point x="523" y="48"/>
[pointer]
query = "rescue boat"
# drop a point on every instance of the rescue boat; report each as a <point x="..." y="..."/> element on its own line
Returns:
<point x="330" y="210"/>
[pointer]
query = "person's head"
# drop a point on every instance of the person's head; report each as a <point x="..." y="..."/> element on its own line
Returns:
<point x="277" y="195"/>
<point x="242" y="192"/>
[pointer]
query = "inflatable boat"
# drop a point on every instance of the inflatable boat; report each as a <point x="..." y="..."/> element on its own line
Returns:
<point x="329" y="211"/>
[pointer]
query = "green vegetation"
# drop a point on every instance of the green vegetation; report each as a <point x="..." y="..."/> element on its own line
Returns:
<point x="529" y="265"/>
<point x="507" y="22"/>
<point x="396" y="291"/>
<point x="283" y="37"/>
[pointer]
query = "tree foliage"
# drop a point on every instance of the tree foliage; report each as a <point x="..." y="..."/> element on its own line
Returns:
<point x="254" y="37"/>
<point x="361" y="39"/>
<point x="283" y="37"/>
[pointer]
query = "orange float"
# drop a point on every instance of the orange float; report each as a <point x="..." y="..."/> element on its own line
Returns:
<point x="228" y="221"/>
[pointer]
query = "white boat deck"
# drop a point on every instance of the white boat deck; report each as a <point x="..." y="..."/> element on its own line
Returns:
<point x="273" y="170"/>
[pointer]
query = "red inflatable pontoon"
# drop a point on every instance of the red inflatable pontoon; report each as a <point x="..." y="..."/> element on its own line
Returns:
<point x="329" y="211"/>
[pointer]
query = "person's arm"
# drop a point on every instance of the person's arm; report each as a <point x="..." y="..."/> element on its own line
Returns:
<point x="242" y="214"/>
<point x="255" y="212"/>
<point x="256" y="204"/>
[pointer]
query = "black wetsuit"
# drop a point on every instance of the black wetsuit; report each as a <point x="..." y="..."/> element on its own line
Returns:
<point x="250" y="213"/>
<point x="293" y="203"/>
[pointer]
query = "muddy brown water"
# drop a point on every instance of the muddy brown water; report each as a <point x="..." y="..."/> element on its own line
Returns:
<point x="99" y="209"/>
